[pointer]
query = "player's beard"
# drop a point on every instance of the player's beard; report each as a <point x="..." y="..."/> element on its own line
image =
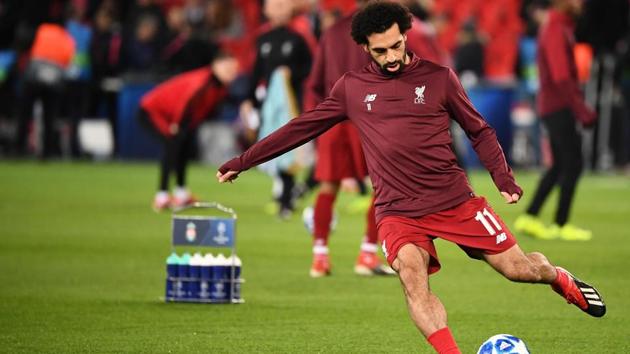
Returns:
<point x="401" y="65"/>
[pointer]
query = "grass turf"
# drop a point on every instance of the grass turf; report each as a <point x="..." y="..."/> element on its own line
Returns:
<point x="83" y="266"/>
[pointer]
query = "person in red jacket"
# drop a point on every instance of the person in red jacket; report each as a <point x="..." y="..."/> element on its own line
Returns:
<point x="401" y="107"/>
<point x="561" y="106"/>
<point x="173" y="111"/>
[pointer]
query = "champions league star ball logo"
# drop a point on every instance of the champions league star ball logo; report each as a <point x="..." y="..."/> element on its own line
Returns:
<point x="503" y="344"/>
<point x="419" y="95"/>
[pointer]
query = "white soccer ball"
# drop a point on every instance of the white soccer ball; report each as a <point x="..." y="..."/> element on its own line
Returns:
<point x="503" y="344"/>
<point x="309" y="220"/>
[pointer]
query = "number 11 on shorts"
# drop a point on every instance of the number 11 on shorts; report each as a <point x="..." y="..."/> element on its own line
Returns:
<point x="483" y="217"/>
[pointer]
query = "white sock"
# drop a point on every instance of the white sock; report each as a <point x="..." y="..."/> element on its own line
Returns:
<point x="320" y="250"/>
<point x="369" y="247"/>
<point x="161" y="195"/>
<point x="181" y="193"/>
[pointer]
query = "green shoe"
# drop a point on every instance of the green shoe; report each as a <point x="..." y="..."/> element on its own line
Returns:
<point x="532" y="226"/>
<point x="570" y="232"/>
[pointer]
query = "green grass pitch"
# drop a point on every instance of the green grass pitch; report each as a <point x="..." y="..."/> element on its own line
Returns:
<point x="82" y="269"/>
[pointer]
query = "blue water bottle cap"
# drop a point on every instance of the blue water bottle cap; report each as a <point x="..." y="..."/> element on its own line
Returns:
<point x="185" y="259"/>
<point x="172" y="259"/>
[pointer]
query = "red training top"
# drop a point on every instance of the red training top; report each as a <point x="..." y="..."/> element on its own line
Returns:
<point x="403" y="122"/>
<point x="559" y="85"/>
<point x="193" y="94"/>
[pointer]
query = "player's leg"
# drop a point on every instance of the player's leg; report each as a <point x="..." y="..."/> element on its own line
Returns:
<point x="477" y="229"/>
<point x="534" y="267"/>
<point x="50" y="105"/>
<point x="162" y="199"/>
<point x="285" y="199"/>
<point x="569" y="151"/>
<point x="25" y="113"/>
<point x="517" y="266"/>
<point x="182" y="148"/>
<point x="529" y="223"/>
<point x="368" y="262"/>
<point x="322" y="217"/>
<point x="426" y="310"/>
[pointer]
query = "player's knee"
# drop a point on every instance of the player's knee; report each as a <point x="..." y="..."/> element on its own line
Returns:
<point x="329" y="188"/>
<point x="407" y="267"/>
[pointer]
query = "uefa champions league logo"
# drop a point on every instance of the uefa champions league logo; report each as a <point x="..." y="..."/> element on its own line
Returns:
<point x="218" y="292"/>
<point x="203" y="293"/>
<point x="221" y="239"/>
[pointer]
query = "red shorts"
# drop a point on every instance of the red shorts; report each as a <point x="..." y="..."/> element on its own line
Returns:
<point x="339" y="154"/>
<point x="472" y="225"/>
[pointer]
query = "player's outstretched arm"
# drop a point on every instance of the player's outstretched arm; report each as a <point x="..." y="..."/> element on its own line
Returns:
<point x="298" y="131"/>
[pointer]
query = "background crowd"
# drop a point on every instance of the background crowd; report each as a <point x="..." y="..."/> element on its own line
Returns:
<point x="63" y="62"/>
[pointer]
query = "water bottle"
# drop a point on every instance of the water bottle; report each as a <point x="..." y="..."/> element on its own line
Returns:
<point x="172" y="263"/>
<point x="194" y="284"/>
<point x="205" y="276"/>
<point x="219" y="286"/>
<point x="184" y="273"/>
<point x="236" y="264"/>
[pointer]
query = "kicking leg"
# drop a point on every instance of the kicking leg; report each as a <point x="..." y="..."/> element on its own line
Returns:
<point x="425" y="309"/>
<point x="535" y="268"/>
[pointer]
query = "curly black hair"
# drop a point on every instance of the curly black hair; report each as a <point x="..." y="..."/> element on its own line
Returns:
<point x="378" y="17"/>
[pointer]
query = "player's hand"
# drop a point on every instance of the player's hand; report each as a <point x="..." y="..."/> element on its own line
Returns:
<point x="510" y="198"/>
<point x="229" y="176"/>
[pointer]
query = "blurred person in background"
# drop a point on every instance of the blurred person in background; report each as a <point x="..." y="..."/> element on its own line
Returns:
<point x="44" y="79"/>
<point x="339" y="152"/>
<point x="279" y="47"/>
<point x="222" y="20"/>
<point x="142" y="51"/>
<point x="469" y="55"/>
<point x="189" y="46"/>
<point x="133" y="11"/>
<point x="173" y="111"/>
<point x="79" y="74"/>
<point x="561" y="106"/>
<point x="105" y="52"/>
<point x="144" y="33"/>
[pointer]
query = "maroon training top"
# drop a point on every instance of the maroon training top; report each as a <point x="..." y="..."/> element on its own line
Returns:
<point x="403" y="122"/>
<point x="559" y="85"/>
